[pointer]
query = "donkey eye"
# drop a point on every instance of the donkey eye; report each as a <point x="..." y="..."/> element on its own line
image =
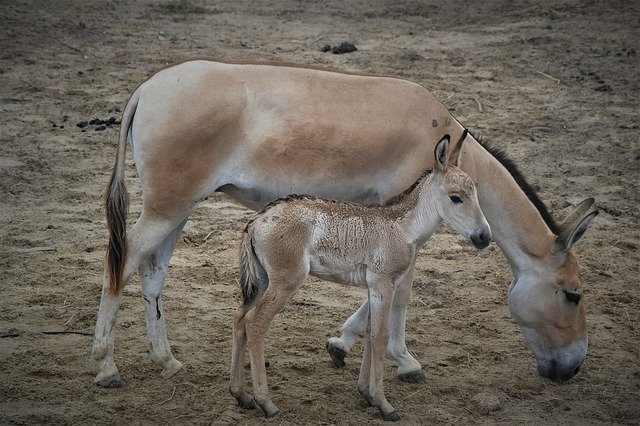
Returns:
<point x="572" y="296"/>
<point x="455" y="199"/>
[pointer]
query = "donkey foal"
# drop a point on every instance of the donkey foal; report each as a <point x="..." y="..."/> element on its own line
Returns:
<point x="372" y="246"/>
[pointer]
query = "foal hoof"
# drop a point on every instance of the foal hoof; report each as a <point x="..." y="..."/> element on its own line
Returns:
<point x="391" y="417"/>
<point x="247" y="405"/>
<point x="337" y="354"/>
<point x="244" y="399"/>
<point x="413" y="376"/>
<point x="366" y="397"/>
<point x="112" y="381"/>
<point x="270" y="411"/>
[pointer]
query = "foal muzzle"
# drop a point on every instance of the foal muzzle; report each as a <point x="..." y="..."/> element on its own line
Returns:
<point x="481" y="240"/>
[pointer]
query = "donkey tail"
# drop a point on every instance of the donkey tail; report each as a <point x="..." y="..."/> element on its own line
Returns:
<point x="117" y="204"/>
<point x="250" y="267"/>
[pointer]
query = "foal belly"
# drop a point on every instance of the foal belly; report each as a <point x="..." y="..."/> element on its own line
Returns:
<point x="338" y="271"/>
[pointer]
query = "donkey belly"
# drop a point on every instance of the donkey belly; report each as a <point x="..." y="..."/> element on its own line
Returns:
<point x="255" y="192"/>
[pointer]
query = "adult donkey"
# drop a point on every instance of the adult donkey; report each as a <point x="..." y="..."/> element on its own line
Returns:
<point x="259" y="132"/>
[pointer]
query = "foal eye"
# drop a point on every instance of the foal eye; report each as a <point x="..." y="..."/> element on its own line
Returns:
<point x="572" y="296"/>
<point x="455" y="199"/>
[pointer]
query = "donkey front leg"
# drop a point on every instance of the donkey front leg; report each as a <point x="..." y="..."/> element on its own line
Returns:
<point x="153" y="273"/>
<point x="354" y="326"/>
<point x="409" y="369"/>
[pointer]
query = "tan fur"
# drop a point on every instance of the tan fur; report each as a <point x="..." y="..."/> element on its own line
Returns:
<point x="261" y="131"/>
<point x="372" y="246"/>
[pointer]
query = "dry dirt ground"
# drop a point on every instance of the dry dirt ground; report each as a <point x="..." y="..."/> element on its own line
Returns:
<point x="553" y="83"/>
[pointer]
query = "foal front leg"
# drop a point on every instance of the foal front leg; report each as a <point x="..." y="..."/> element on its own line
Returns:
<point x="409" y="369"/>
<point x="378" y="335"/>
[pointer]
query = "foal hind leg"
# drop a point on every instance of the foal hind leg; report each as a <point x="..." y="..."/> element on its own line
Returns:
<point x="153" y="273"/>
<point x="281" y="288"/>
<point x="236" y="383"/>
<point x="142" y="239"/>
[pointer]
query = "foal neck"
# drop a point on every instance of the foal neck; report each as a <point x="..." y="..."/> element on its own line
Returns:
<point x="415" y="210"/>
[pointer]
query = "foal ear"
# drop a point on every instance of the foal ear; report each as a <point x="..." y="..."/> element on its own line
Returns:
<point x="442" y="153"/>
<point x="456" y="150"/>
<point x="571" y="236"/>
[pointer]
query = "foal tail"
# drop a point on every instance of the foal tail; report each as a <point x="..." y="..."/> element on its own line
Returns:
<point x="250" y="267"/>
<point x="117" y="204"/>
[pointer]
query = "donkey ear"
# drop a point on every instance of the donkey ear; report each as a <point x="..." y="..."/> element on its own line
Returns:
<point x="456" y="150"/>
<point x="571" y="236"/>
<point x="578" y="213"/>
<point x="442" y="153"/>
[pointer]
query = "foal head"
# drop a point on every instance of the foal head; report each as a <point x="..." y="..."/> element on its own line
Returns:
<point x="456" y="198"/>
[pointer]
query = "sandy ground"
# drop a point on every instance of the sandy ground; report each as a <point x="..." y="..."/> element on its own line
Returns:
<point x="554" y="83"/>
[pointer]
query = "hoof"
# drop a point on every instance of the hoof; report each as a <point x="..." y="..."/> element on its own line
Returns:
<point x="247" y="405"/>
<point x="337" y="354"/>
<point x="175" y="371"/>
<point x="391" y="417"/>
<point x="112" y="381"/>
<point x="270" y="410"/>
<point x="245" y="400"/>
<point x="271" y="414"/>
<point x="367" y="398"/>
<point x="413" y="377"/>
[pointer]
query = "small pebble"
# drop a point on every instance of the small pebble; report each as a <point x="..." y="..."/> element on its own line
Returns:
<point x="487" y="402"/>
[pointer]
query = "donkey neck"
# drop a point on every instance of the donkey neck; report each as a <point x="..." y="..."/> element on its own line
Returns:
<point x="516" y="224"/>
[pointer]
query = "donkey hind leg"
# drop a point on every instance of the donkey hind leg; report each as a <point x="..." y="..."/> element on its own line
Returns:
<point x="409" y="369"/>
<point x="153" y="273"/>
<point x="371" y="382"/>
<point x="258" y="319"/>
<point x="143" y="238"/>
<point x="338" y="347"/>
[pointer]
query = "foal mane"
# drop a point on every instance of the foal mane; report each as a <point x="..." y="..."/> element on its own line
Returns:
<point x="396" y="199"/>
<point x="508" y="164"/>
<point x="400" y="197"/>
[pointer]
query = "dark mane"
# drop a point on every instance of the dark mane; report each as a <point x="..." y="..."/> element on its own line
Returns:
<point x="397" y="198"/>
<point x="522" y="183"/>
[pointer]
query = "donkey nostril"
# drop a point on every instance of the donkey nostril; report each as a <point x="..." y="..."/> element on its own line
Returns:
<point x="576" y="370"/>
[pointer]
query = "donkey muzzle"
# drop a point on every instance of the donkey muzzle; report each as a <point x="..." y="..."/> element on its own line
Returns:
<point x="557" y="372"/>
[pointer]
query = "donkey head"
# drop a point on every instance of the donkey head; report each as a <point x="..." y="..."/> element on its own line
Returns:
<point x="457" y="200"/>
<point x="546" y="302"/>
